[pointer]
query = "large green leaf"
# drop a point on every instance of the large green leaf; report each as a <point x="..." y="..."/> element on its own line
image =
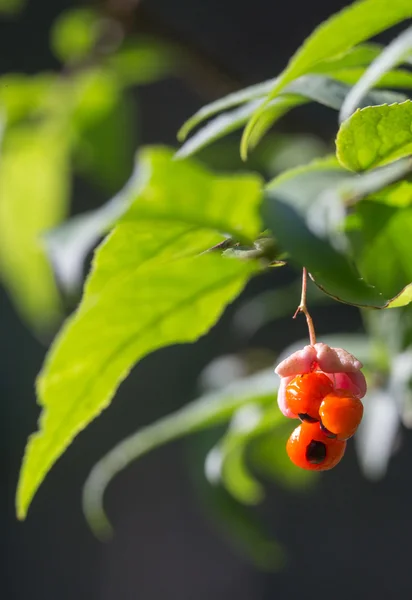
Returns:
<point x="390" y="57"/>
<point x="354" y="24"/>
<point x="148" y="289"/>
<point x="375" y="136"/>
<point x="34" y="186"/>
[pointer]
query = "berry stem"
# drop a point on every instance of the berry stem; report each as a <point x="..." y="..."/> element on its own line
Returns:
<point x="304" y="309"/>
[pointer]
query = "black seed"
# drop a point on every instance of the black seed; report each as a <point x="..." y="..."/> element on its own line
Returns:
<point x="307" y="418"/>
<point x="328" y="433"/>
<point x="316" y="452"/>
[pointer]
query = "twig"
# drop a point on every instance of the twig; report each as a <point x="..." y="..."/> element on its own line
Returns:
<point x="304" y="309"/>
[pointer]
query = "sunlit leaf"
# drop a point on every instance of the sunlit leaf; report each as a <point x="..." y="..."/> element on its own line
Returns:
<point x="354" y="24"/>
<point x="75" y="33"/>
<point x="148" y="289"/>
<point x="375" y="136"/>
<point x="23" y="96"/>
<point x="34" y="187"/>
<point x="390" y="57"/>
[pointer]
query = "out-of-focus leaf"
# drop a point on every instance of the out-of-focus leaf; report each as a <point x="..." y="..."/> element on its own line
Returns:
<point x="240" y="525"/>
<point x="106" y="147"/>
<point x="374" y="136"/>
<point x="225" y="463"/>
<point x="94" y="94"/>
<point x="74" y="34"/>
<point x="141" y="61"/>
<point x="352" y="25"/>
<point x="377" y="434"/>
<point x="68" y="245"/>
<point x="208" y="411"/>
<point x="23" y="96"/>
<point x="267" y="454"/>
<point x="34" y="188"/>
<point x="390" y="57"/>
<point x="11" y="7"/>
<point x="146" y="284"/>
<point x="272" y="305"/>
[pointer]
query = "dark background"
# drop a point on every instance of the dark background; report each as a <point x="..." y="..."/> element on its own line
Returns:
<point x="348" y="538"/>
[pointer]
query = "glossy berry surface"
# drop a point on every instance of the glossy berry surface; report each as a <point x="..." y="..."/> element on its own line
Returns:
<point x="310" y="448"/>
<point x="341" y="413"/>
<point x="305" y="393"/>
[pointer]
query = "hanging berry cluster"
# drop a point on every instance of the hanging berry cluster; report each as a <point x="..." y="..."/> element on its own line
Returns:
<point x="323" y="387"/>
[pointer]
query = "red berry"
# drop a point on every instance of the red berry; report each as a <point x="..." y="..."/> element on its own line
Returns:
<point x="341" y="413"/>
<point x="305" y="393"/>
<point x="310" y="448"/>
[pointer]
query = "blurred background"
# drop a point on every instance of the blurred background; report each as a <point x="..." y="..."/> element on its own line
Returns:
<point x="175" y="536"/>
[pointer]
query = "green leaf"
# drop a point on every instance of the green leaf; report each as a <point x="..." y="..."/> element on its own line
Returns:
<point x="294" y="200"/>
<point x="68" y="245"/>
<point x="267" y="454"/>
<point x="142" y="60"/>
<point x="240" y="526"/>
<point x="34" y="189"/>
<point x="75" y="33"/>
<point x="208" y="411"/>
<point x="354" y="24"/>
<point x="148" y="289"/>
<point x="317" y="88"/>
<point x="226" y="462"/>
<point x="356" y="57"/>
<point x="390" y="57"/>
<point x="23" y="96"/>
<point x="231" y="121"/>
<point x="384" y="232"/>
<point x="395" y="79"/>
<point x="97" y="139"/>
<point x="375" y="136"/>
<point x="11" y="7"/>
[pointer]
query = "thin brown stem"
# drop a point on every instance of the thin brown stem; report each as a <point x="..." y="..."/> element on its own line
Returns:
<point x="304" y="309"/>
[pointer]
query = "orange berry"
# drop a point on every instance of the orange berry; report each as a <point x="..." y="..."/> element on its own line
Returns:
<point x="341" y="413"/>
<point x="305" y="393"/>
<point x="310" y="448"/>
